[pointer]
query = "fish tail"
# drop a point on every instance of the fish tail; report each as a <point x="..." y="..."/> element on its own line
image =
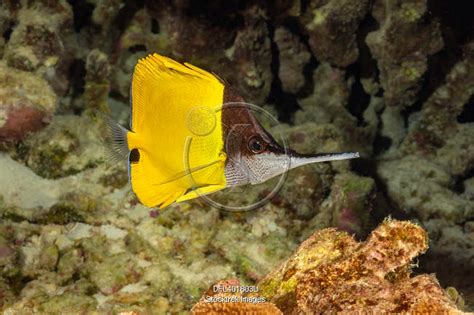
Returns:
<point x="117" y="140"/>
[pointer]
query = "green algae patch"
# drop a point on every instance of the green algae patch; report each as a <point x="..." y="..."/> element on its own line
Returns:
<point x="269" y="287"/>
<point x="62" y="214"/>
<point x="289" y="285"/>
<point x="7" y="296"/>
<point x="323" y="246"/>
<point x="67" y="146"/>
<point x="113" y="273"/>
<point x="69" y="302"/>
<point x="72" y="207"/>
<point x="116" y="179"/>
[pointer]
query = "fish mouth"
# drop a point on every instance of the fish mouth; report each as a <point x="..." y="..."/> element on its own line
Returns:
<point x="298" y="159"/>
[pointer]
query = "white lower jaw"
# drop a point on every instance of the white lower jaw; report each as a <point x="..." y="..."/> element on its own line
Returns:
<point x="262" y="167"/>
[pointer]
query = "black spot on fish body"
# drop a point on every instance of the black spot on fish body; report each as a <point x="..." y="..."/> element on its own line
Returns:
<point x="134" y="156"/>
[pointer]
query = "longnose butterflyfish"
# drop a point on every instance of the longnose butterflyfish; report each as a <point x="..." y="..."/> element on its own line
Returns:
<point x="192" y="134"/>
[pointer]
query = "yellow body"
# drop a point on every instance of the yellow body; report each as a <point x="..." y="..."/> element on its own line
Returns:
<point x="177" y="129"/>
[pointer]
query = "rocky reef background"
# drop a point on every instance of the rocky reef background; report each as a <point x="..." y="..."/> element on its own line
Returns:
<point x="391" y="79"/>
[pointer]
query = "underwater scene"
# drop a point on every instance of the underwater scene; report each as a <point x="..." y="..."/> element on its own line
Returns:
<point x="236" y="157"/>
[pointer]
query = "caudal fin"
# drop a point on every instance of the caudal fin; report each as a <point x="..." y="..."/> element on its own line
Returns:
<point x="117" y="140"/>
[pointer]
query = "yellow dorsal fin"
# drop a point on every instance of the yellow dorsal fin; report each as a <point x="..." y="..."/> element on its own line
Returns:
<point x="171" y="104"/>
<point x="156" y="69"/>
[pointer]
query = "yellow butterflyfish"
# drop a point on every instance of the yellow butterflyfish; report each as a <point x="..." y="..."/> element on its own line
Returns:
<point x="182" y="142"/>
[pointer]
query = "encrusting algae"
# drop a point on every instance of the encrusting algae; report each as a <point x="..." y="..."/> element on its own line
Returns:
<point x="331" y="272"/>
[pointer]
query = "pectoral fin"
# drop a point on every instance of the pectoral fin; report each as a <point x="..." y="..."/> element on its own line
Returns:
<point x="200" y="192"/>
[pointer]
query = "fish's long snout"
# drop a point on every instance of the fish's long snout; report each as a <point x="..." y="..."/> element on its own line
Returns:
<point x="297" y="159"/>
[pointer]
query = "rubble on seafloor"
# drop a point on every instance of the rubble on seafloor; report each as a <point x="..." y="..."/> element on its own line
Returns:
<point x="390" y="79"/>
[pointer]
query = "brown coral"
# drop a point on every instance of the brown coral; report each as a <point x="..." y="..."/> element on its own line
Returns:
<point x="293" y="56"/>
<point x="187" y="36"/>
<point x="37" y="42"/>
<point x="438" y="132"/>
<point x="401" y="46"/>
<point x="331" y="272"/>
<point x="205" y="308"/>
<point x="252" y="56"/>
<point x="27" y="103"/>
<point x="97" y="85"/>
<point x="332" y="26"/>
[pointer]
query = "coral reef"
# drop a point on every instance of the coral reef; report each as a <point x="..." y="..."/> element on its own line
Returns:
<point x="293" y="57"/>
<point x="37" y="41"/>
<point x="97" y="86"/>
<point x="402" y="66"/>
<point x="332" y="28"/>
<point x="241" y="56"/>
<point x="251" y="55"/>
<point x="326" y="107"/>
<point x="436" y="153"/>
<point x="49" y="153"/>
<point x="27" y="103"/>
<point x="330" y="272"/>
<point x="390" y="79"/>
<point x="351" y="201"/>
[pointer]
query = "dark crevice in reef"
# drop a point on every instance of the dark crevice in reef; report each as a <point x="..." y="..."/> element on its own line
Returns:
<point x="285" y="103"/>
<point x="308" y="70"/>
<point x="12" y="217"/>
<point x="137" y="48"/>
<point x="295" y="27"/>
<point x="458" y="185"/>
<point x="358" y="99"/>
<point x="456" y="21"/>
<point x="120" y="24"/>
<point x="155" y="26"/>
<point x="18" y="282"/>
<point x="450" y="271"/>
<point x="214" y="10"/>
<point x="304" y="5"/>
<point x="77" y="73"/>
<point x="119" y="97"/>
<point x="407" y="111"/>
<point x="365" y="67"/>
<point x="224" y="14"/>
<point x="384" y="205"/>
<point x="76" y="276"/>
<point x="8" y="32"/>
<point x="126" y="14"/>
<point x="438" y="67"/>
<point x="82" y="11"/>
<point x="467" y="114"/>
<point x="367" y="64"/>
<point x="381" y="144"/>
<point x="457" y="28"/>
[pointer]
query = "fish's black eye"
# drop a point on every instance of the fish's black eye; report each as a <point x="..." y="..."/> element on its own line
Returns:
<point x="256" y="145"/>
